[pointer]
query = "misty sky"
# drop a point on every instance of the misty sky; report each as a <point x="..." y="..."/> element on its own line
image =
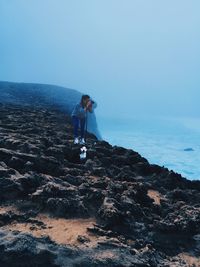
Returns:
<point x="133" y="56"/>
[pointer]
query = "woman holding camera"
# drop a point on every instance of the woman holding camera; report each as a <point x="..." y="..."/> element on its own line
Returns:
<point x="79" y="115"/>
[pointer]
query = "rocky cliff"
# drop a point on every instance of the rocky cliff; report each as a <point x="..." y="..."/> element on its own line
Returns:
<point x="32" y="94"/>
<point x="111" y="209"/>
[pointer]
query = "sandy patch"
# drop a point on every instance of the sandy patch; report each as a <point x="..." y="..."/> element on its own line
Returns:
<point x="190" y="260"/>
<point x="62" y="231"/>
<point x="155" y="195"/>
<point x="4" y="209"/>
<point x="107" y="254"/>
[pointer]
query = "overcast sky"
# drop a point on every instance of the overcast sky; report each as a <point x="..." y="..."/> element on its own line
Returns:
<point x="132" y="56"/>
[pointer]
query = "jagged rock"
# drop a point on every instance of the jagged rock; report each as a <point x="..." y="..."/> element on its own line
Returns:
<point x="24" y="250"/>
<point x="74" y="180"/>
<point x="89" y="164"/>
<point x="16" y="163"/>
<point x="30" y="182"/>
<point x="145" y="214"/>
<point x="117" y="150"/>
<point x="51" y="189"/>
<point x="99" y="171"/>
<point x="66" y="208"/>
<point x="73" y="155"/>
<point x="9" y="189"/>
<point x="185" y="221"/>
<point x="48" y="165"/>
<point x="109" y="212"/>
<point x="83" y="239"/>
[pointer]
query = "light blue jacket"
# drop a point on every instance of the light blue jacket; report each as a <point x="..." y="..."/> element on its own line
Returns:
<point x="79" y="111"/>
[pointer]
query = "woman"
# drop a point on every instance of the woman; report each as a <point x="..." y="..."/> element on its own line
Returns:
<point x="79" y="117"/>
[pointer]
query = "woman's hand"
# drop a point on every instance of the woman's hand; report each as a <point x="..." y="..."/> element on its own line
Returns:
<point x="89" y="106"/>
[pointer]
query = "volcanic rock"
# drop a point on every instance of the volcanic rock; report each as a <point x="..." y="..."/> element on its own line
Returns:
<point x="113" y="209"/>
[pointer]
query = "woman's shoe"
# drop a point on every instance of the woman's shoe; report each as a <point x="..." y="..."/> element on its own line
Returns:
<point x="82" y="142"/>
<point x="76" y="141"/>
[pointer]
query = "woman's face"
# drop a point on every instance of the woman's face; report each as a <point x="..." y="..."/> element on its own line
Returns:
<point x="85" y="101"/>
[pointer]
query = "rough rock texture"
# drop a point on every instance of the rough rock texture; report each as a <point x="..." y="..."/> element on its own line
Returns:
<point x="29" y="94"/>
<point x="112" y="209"/>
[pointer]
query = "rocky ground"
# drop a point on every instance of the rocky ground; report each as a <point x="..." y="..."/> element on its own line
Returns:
<point x="112" y="209"/>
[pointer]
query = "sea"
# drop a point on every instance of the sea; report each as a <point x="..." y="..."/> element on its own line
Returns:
<point x="170" y="142"/>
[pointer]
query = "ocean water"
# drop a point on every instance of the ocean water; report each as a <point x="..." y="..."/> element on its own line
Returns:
<point x="170" y="142"/>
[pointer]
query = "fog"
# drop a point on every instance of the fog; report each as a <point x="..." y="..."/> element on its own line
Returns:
<point x="134" y="57"/>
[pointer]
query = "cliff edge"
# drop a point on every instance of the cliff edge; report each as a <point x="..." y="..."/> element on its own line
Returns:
<point x="111" y="209"/>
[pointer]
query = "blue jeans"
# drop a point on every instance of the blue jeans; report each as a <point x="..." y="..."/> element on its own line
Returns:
<point x="76" y="122"/>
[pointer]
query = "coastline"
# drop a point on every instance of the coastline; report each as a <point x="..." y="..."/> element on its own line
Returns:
<point x="126" y="211"/>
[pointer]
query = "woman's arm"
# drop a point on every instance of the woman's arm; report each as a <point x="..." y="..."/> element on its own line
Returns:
<point x="76" y="111"/>
<point x="91" y="105"/>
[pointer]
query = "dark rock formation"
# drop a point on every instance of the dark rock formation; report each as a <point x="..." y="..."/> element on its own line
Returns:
<point x="29" y="94"/>
<point x="142" y="214"/>
<point x="188" y="149"/>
